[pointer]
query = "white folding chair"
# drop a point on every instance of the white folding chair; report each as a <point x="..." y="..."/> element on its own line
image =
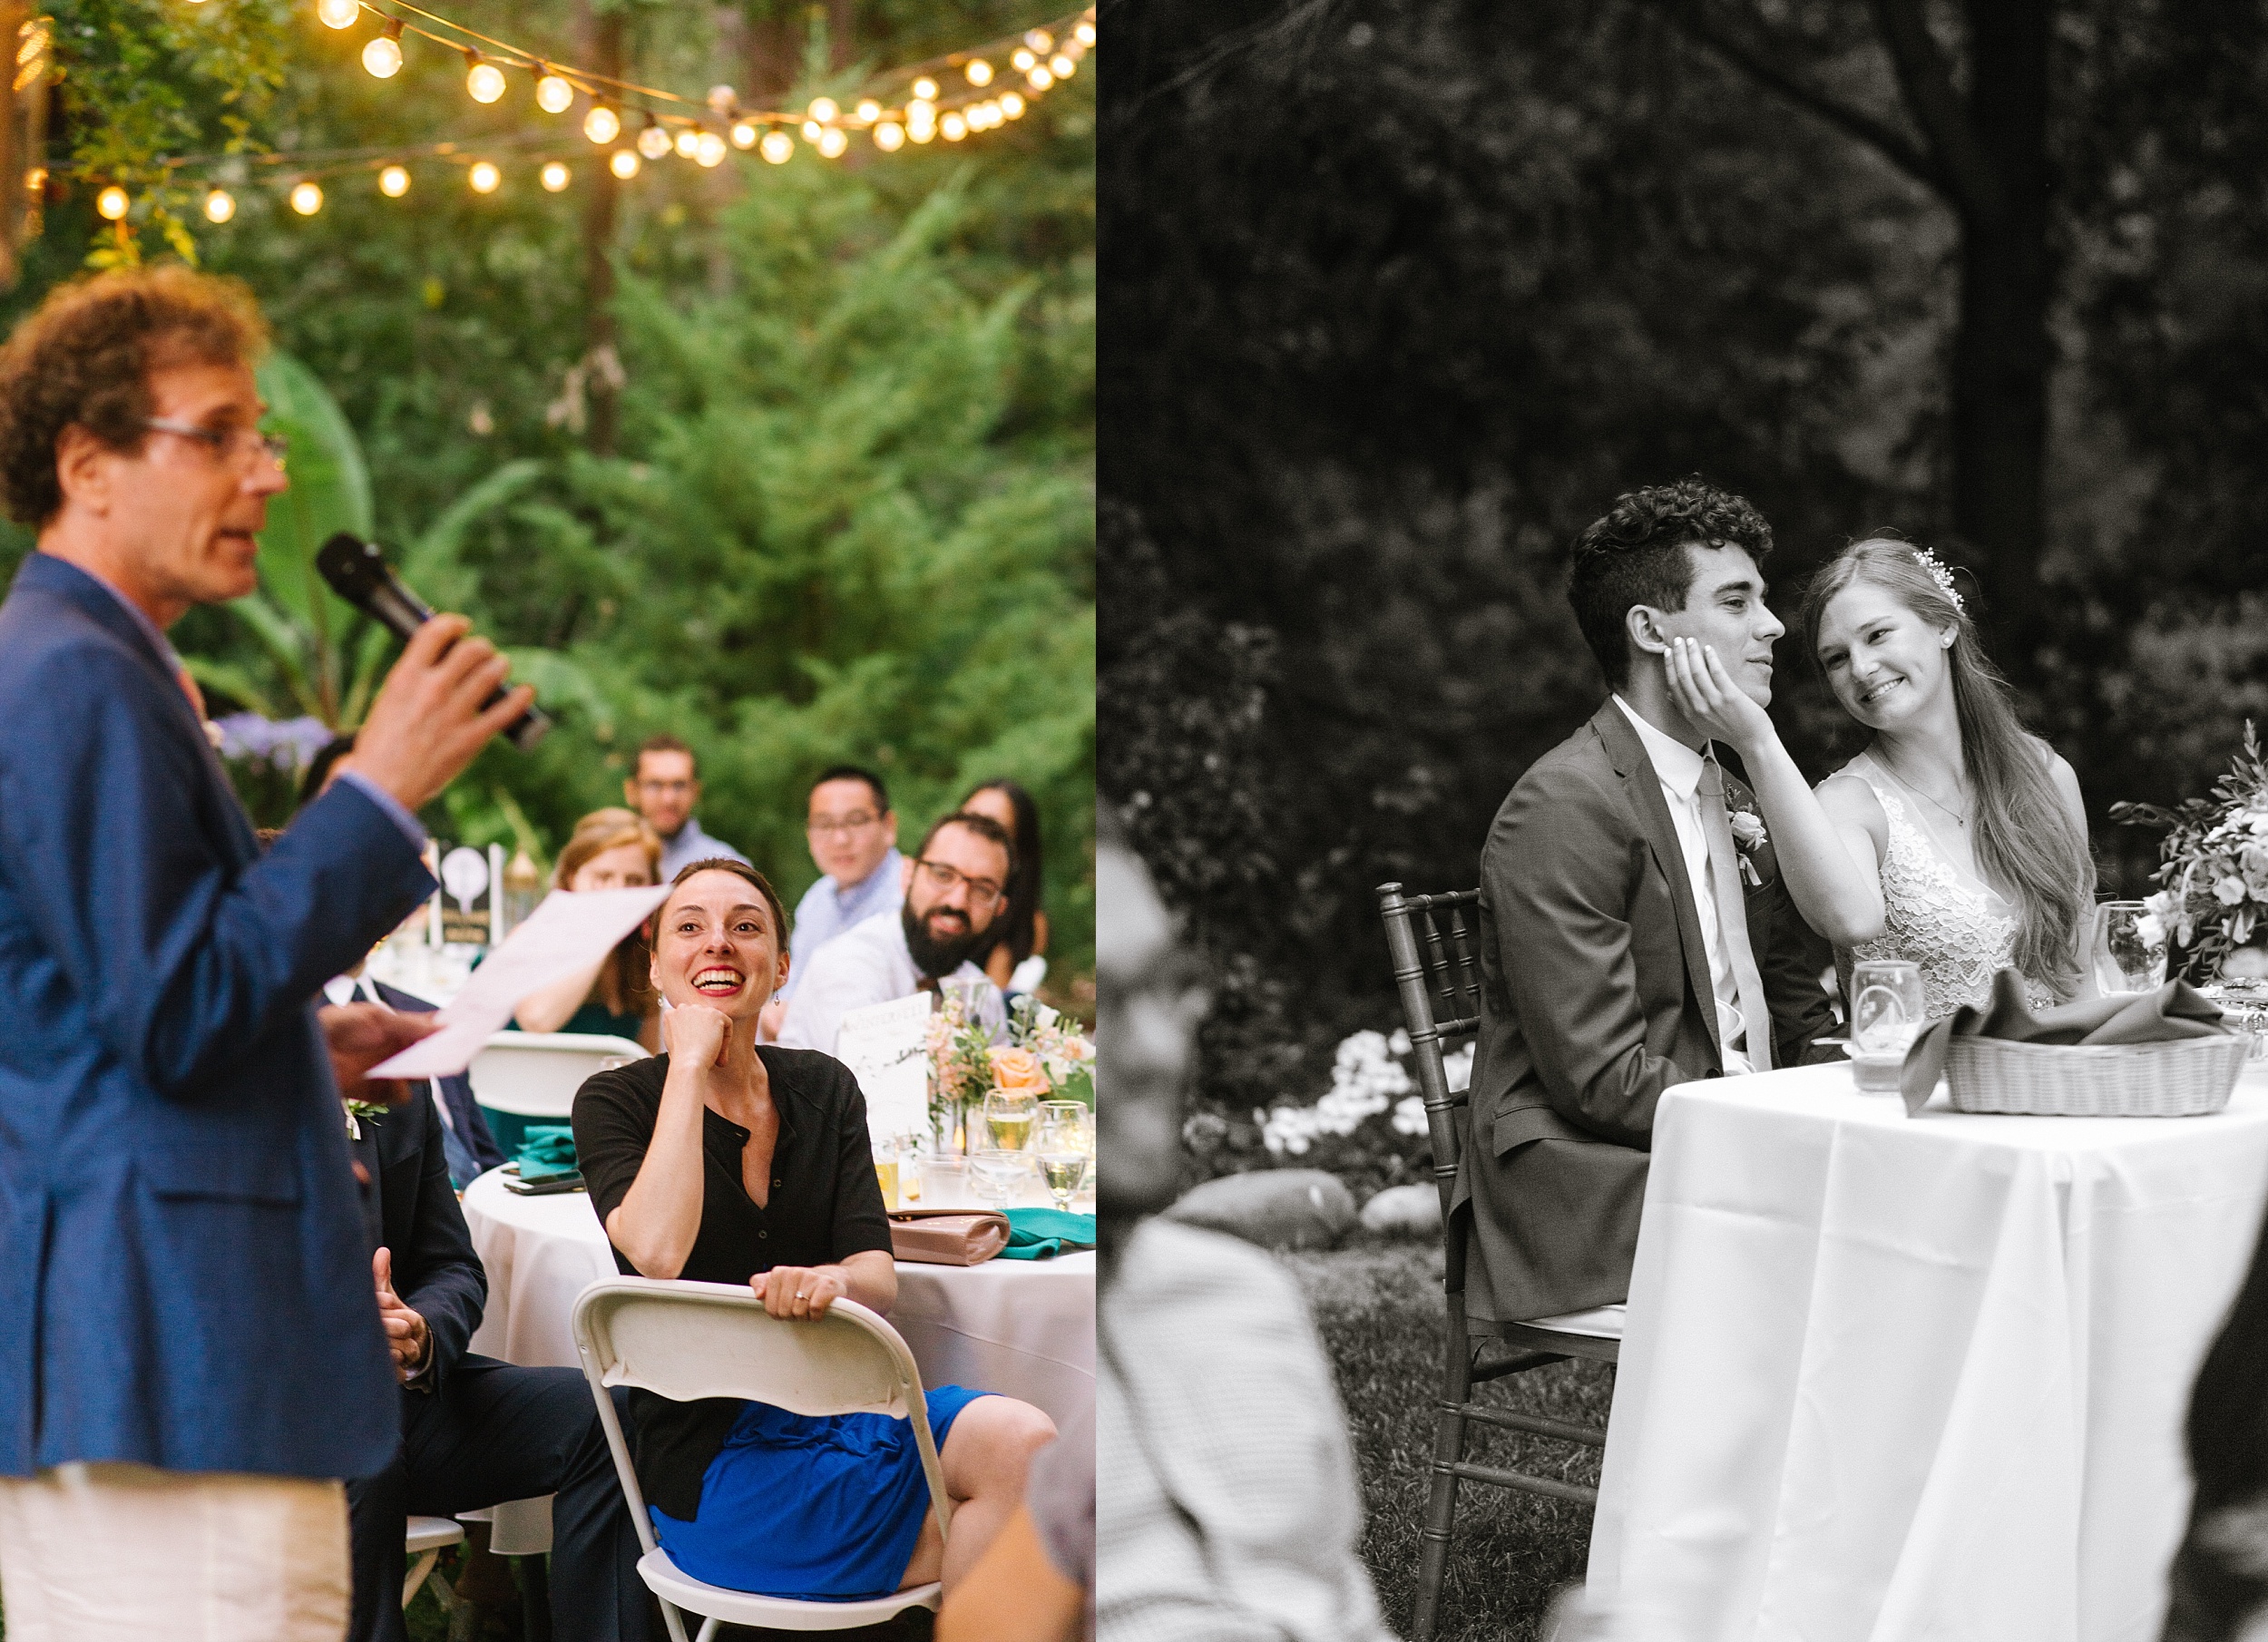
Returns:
<point x="687" y="1341"/>
<point x="429" y="1537"/>
<point x="533" y="1076"/>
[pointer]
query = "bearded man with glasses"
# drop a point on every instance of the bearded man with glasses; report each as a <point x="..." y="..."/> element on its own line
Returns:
<point x="955" y="885"/>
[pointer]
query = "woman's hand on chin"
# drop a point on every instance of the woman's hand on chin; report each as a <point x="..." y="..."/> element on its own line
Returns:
<point x="1715" y="706"/>
<point x="696" y="1034"/>
<point x="798" y="1293"/>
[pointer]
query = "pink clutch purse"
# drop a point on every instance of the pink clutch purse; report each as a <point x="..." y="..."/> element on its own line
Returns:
<point x="948" y="1237"/>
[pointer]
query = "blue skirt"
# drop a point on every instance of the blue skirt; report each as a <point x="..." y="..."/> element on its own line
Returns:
<point x="825" y="1509"/>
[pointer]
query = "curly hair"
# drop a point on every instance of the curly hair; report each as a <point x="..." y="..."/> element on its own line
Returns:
<point x="1636" y="555"/>
<point x="84" y="357"/>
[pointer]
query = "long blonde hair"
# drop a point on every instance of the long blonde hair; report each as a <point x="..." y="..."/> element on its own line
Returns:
<point x="625" y="984"/>
<point x="2026" y="840"/>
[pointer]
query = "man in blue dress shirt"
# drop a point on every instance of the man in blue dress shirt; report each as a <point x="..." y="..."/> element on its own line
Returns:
<point x="193" y="1354"/>
<point x="854" y="838"/>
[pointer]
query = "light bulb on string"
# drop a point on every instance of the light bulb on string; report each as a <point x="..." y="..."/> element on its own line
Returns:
<point x="393" y="181"/>
<point x="307" y="199"/>
<point x="554" y="95"/>
<point x="654" y="142"/>
<point x="1021" y="59"/>
<point x="925" y="89"/>
<point x="811" y="130"/>
<point x="556" y="177"/>
<point x="822" y="110"/>
<point x="723" y="102"/>
<point x="601" y="124"/>
<point x="337" y="13"/>
<point x="1012" y="105"/>
<point x="383" y="56"/>
<point x="1038" y="39"/>
<point x="1039" y="79"/>
<point x="979" y="73"/>
<point x="868" y="111"/>
<point x="623" y="163"/>
<point x="689" y="143"/>
<point x="113" y="202"/>
<point x="833" y="142"/>
<point x="710" y="150"/>
<point x="979" y="115"/>
<point x="485" y="81"/>
<point x="952" y="127"/>
<point x="1061" y="67"/>
<point x="220" y="205"/>
<point x="889" y="136"/>
<point x="1084" y="33"/>
<point x="744" y="133"/>
<point x="484" y="176"/>
<point x="921" y="122"/>
<point x="777" y="147"/>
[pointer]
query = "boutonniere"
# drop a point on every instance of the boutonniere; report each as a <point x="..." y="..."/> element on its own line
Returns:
<point x="1748" y="837"/>
<point x="356" y="1111"/>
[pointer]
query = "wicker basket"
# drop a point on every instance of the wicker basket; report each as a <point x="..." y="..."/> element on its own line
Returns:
<point x="2183" y="1079"/>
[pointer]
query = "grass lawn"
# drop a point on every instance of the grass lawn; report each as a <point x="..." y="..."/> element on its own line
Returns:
<point x="1378" y="1304"/>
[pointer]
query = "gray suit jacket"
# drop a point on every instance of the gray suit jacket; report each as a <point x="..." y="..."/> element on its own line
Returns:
<point x="1595" y="998"/>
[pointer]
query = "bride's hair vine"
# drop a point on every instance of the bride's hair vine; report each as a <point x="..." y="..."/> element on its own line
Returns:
<point x="1941" y="576"/>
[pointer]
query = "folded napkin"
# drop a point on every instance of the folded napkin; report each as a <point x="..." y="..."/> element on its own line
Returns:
<point x="2176" y="1010"/>
<point x="1038" y="1234"/>
<point x="547" y="1151"/>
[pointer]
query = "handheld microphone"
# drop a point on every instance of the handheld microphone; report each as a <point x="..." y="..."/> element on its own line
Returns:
<point x="358" y="572"/>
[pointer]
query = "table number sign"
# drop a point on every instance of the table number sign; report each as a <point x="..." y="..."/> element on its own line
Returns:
<point x="887" y="1047"/>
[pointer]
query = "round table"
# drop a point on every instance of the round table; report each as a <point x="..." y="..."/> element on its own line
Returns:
<point x="1893" y="1378"/>
<point x="1025" y="1328"/>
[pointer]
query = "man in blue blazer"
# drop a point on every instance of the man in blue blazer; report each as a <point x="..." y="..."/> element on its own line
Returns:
<point x="193" y="1354"/>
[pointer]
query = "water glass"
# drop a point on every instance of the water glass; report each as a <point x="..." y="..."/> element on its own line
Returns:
<point x="1009" y="1115"/>
<point x="1885" y="1019"/>
<point x="2130" y="948"/>
<point x="995" y="1174"/>
<point x="1065" y="1125"/>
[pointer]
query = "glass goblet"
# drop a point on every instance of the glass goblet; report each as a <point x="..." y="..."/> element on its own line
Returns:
<point x="995" y="1174"/>
<point x="2129" y="947"/>
<point x="1009" y="1115"/>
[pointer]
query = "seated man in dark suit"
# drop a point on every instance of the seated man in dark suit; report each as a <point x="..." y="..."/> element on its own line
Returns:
<point x="1629" y="940"/>
<point x="475" y="1432"/>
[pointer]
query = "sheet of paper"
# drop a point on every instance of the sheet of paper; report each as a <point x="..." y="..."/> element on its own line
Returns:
<point x="887" y="1047"/>
<point x="568" y="932"/>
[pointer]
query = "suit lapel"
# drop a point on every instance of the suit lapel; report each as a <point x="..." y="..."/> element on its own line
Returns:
<point x="1644" y="790"/>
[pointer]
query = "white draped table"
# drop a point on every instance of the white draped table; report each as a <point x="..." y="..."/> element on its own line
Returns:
<point x="1025" y="1328"/>
<point x="1894" y="1379"/>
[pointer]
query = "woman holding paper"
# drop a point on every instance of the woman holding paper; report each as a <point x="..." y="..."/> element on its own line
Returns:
<point x="610" y="849"/>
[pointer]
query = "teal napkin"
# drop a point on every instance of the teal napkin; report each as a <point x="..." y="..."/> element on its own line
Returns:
<point x="1038" y="1234"/>
<point x="546" y="1151"/>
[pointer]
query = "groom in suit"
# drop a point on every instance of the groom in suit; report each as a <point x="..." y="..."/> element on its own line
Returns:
<point x="1634" y="932"/>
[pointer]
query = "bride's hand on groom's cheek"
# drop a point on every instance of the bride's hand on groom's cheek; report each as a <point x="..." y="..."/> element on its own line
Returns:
<point x="1704" y="692"/>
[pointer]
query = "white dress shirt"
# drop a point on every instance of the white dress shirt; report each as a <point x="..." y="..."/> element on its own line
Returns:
<point x="869" y="964"/>
<point x="1678" y="769"/>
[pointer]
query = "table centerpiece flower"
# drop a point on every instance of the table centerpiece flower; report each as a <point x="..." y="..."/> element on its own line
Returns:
<point x="2212" y="871"/>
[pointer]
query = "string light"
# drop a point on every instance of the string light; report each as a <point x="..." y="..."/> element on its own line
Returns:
<point x="1039" y="79"/>
<point x="689" y="143"/>
<point x="393" y="181"/>
<point x="556" y="177"/>
<point x="554" y="95"/>
<point x="869" y="110"/>
<point x="1012" y="105"/>
<point x="776" y="147"/>
<point x="1022" y="59"/>
<point x="979" y="73"/>
<point x="339" y="14"/>
<point x="383" y="56"/>
<point x="921" y="122"/>
<point x="113" y="202"/>
<point x="1038" y="39"/>
<point x="654" y="142"/>
<point x="1061" y="66"/>
<point x="220" y="205"/>
<point x="601" y="124"/>
<point x="483" y="81"/>
<point x="811" y="130"/>
<point x="710" y="150"/>
<point x="484" y="176"/>
<point x="954" y="127"/>
<point x="723" y="102"/>
<point x="1084" y="33"/>
<point x="623" y="163"/>
<point x="926" y="90"/>
<point x="744" y="133"/>
<point x="307" y="199"/>
<point x="833" y="142"/>
<point x="889" y="136"/>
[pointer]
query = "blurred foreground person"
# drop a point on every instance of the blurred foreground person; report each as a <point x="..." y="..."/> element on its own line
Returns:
<point x="2220" y="1575"/>
<point x="192" y="1356"/>
<point x="1229" y="1506"/>
<point x="610" y="849"/>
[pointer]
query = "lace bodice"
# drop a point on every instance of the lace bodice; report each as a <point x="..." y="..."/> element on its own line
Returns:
<point x="1958" y="936"/>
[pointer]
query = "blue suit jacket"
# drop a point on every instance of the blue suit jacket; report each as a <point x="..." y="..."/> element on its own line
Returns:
<point x="183" y="1275"/>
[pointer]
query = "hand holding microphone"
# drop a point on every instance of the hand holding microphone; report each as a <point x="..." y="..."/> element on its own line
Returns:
<point x="443" y="698"/>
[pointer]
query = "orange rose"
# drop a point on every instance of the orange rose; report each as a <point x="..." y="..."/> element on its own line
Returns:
<point x="1018" y="1072"/>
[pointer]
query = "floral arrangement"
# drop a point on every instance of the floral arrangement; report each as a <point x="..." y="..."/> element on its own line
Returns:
<point x="1368" y="1080"/>
<point x="1046" y="1053"/>
<point x="2212" y="872"/>
<point x="959" y="1062"/>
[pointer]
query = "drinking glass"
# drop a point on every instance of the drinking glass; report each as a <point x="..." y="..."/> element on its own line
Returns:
<point x="1064" y="1142"/>
<point x="2129" y="947"/>
<point x="1885" y="1019"/>
<point x="995" y="1174"/>
<point x="886" y="1174"/>
<point x="1009" y="1115"/>
<point x="907" y="1149"/>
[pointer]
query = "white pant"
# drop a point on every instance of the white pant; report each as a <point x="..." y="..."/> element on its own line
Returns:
<point x="124" y="1553"/>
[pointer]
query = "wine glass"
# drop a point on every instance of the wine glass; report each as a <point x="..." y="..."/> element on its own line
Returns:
<point x="1009" y="1115"/>
<point x="1885" y="1019"/>
<point x="1064" y="1142"/>
<point x="2129" y="947"/>
<point x="995" y="1174"/>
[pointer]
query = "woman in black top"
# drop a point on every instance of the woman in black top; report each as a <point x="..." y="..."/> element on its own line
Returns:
<point x="729" y="1161"/>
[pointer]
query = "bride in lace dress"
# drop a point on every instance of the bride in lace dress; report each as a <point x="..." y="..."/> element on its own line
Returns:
<point x="1957" y="840"/>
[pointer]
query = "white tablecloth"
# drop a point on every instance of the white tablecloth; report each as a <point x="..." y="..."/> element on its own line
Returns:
<point x="1893" y="1378"/>
<point x="1025" y="1328"/>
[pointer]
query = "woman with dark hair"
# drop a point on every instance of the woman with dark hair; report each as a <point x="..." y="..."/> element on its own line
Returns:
<point x="730" y="1160"/>
<point x="1020" y="931"/>
<point x="1956" y="840"/>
